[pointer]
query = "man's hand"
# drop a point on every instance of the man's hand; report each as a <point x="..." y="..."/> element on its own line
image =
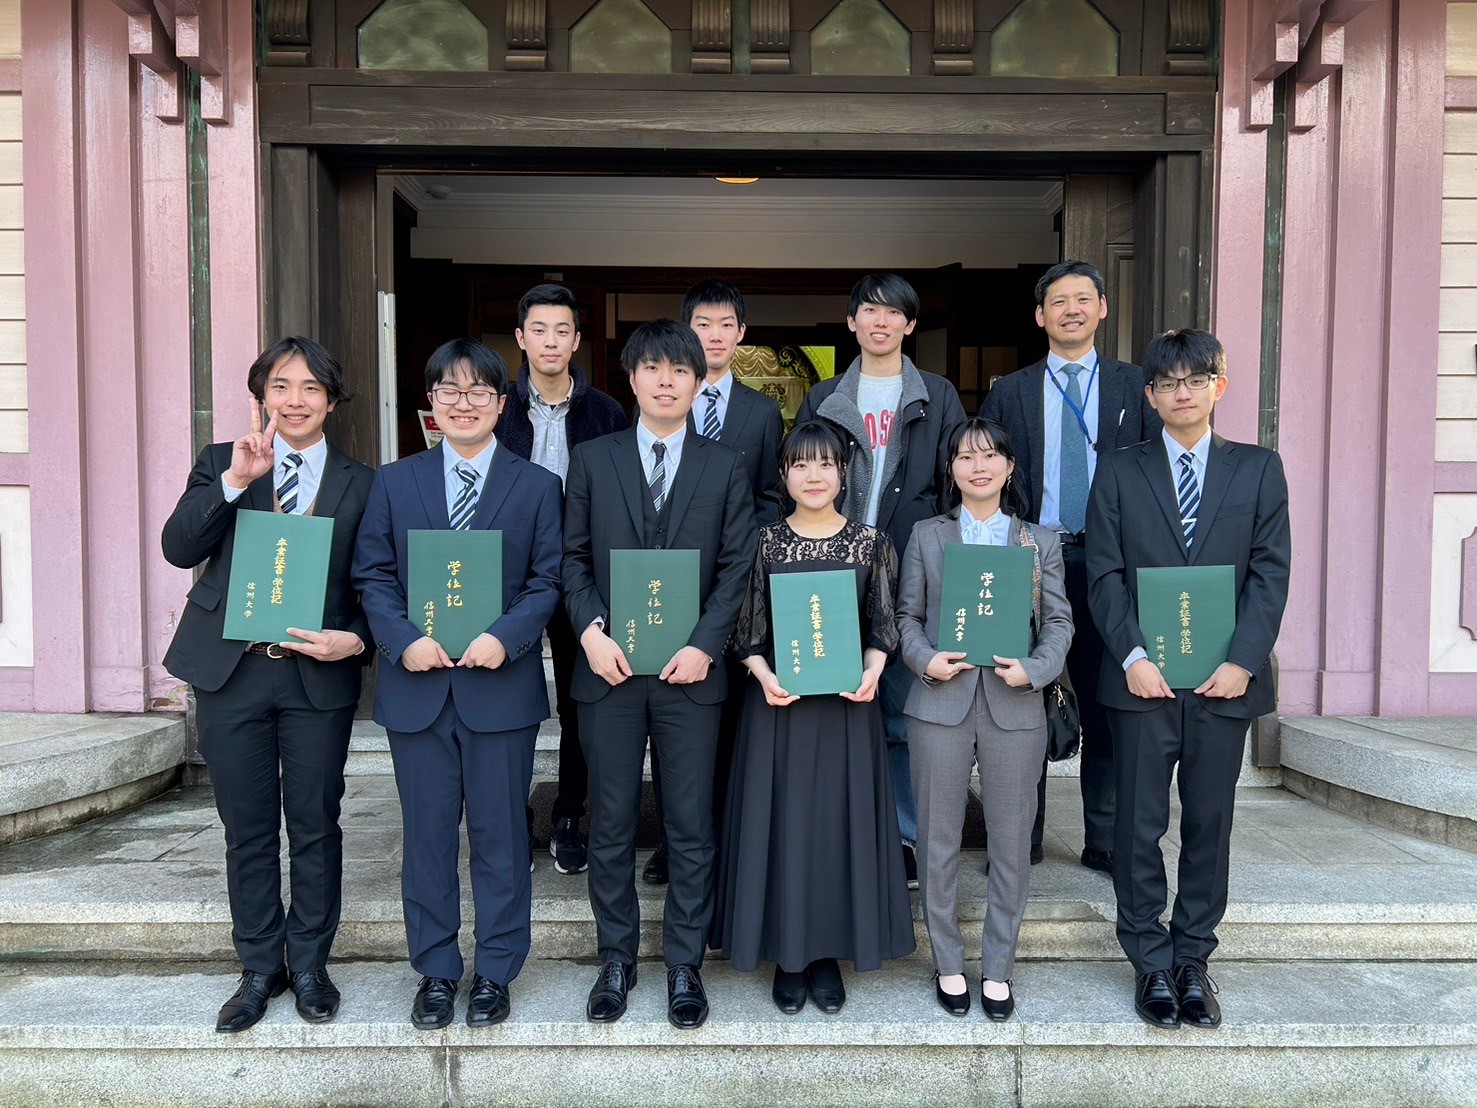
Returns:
<point x="485" y="651"/>
<point x="1228" y="682"/>
<point x="252" y="455"/>
<point x="1012" y="672"/>
<point x="605" y="656"/>
<point x="1145" y="681"/>
<point x="325" y="646"/>
<point x="946" y="663"/>
<point x="424" y="654"/>
<point x="687" y="667"/>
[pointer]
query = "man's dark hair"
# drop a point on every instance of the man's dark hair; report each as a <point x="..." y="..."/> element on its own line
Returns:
<point x="556" y="296"/>
<point x="718" y="293"/>
<point x="887" y="289"/>
<point x="664" y="340"/>
<point x="1069" y="268"/>
<point x="321" y="364"/>
<point x="979" y="432"/>
<point x="1188" y="350"/>
<point x="486" y="366"/>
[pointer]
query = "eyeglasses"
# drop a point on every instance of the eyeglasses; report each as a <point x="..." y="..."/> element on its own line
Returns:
<point x="1195" y="381"/>
<point x="478" y="398"/>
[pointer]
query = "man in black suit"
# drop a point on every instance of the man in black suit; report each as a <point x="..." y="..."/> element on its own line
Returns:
<point x="274" y="718"/>
<point x="1185" y="497"/>
<point x="655" y="486"/>
<point x="1063" y="413"/>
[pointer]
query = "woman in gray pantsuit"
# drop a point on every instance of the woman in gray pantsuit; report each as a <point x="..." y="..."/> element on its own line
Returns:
<point x="959" y="714"/>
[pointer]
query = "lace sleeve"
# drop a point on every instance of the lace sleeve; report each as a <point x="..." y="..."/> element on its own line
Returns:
<point x="751" y="630"/>
<point x="880" y="615"/>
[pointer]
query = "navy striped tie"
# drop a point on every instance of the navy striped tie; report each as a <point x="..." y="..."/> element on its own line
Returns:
<point x="658" y="484"/>
<point x="287" y="491"/>
<point x="1189" y="496"/>
<point x="466" y="500"/>
<point x="710" y="417"/>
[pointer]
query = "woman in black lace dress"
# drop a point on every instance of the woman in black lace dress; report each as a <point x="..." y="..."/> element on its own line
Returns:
<point x="810" y="861"/>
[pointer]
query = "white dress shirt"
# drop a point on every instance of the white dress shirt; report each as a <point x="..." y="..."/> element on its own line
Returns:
<point x="309" y="474"/>
<point x="645" y="440"/>
<point x="1051" y="449"/>
<point x="724" y="385"/>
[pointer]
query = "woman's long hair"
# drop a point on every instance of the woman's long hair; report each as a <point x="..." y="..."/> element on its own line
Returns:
<point x="985" y="434"/>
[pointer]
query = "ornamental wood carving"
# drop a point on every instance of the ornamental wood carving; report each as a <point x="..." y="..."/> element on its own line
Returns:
<point x="286" y="26"/>
<point x="528" y="35"/>
<point x="769" y="36"/>
<point x="953" y="37"/>
<point x="712" y="36"/>
<point x="1187" y="46"/>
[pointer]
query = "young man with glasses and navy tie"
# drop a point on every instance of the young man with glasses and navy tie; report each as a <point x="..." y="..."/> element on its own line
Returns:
<point x="1186" y="497"/>
<point x="274" y="718"/>
<point x="462" y="733"/>
<point x="1063" y="414"/>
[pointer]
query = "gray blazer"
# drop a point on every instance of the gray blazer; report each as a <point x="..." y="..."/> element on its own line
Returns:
<point x="921" y="585"/>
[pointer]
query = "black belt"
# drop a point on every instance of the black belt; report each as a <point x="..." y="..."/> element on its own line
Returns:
<point x="1068" y="539"/>
<point x="268" y="650"/>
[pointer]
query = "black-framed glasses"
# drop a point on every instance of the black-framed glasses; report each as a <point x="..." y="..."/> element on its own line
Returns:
<point x="1195" y="381"/>
<point x="477" y="398"/>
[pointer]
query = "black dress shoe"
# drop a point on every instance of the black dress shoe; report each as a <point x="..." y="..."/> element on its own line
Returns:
<point x="435" y="1004"/>
<point x="655" y="872"/>
<point x="687" y="1003"/>
<point x="956" y="1004"/>
<point x="1038" y="854"/>
<point x="487" y="1003"/>
<point x="910" y="865"/>
<point x="317" y="996"/>
<point x="249" y="1002"/>
<point x="1156" y="1001"/>
<point x="998" y="1009"/>
<point x="607" y="1001"/>
<point x="788" y="991"/>
<point x="826" y="987"/>
<point x="1100" y="860"/>
<point x="1198" y="1005"/>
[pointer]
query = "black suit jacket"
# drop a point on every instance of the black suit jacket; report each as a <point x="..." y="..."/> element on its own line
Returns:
<point x="754" y="427"/>
<point x="202" y="528"/>
<point x="1133" y="520"/>
<point x="1124" y="417"/>
<point x="712" y="511"/>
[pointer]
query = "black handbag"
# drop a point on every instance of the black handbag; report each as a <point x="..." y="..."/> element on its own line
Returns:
<point x="1063" y="723"/>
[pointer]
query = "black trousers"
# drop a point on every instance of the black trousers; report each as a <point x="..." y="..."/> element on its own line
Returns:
<point x="728" y="723"/>
<point x="574" y="774"/>
<point x="1084" y="660"/>
<point x="685" y="736"/>
<point x="272" y="754"/>
<point x="1208" y="749"/>
<point x="439" y="773"/>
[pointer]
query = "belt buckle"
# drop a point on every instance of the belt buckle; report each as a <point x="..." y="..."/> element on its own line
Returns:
<point x="275" y="651"/>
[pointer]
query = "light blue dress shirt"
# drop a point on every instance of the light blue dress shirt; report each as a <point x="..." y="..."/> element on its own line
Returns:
<point x="309" y="474"/>
<point x="450" y="459"/>
<point x="1051" y="449"/>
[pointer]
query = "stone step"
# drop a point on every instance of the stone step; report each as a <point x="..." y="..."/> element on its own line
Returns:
<point x="1418" y="776"/>
<point x="1346" y="1034"/>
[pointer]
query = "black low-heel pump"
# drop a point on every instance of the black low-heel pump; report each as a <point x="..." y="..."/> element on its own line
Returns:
<point x="956" y="1004"/>
<point x="998" y="1009"/>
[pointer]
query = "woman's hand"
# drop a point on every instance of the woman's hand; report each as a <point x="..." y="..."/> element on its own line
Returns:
<point x="774" y="694"/>
<point x="1012" y="672"/>
<point x="875" y="660"/>
<point x="944" y="665"/>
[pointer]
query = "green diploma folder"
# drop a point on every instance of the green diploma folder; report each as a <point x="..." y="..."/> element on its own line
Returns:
<point x="1187" y="615"/>
<point x="817" y="631"/>
<point x="279" y="575"/>
<point x="454" y="585"/>
<point x="985" y="609"/>
<point x="653" y="604"/>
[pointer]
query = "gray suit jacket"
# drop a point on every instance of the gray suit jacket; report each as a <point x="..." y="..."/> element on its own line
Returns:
<point x="919" y="591"/>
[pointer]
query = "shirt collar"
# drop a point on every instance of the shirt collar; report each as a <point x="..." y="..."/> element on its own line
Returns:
<point x="673" y="442"/>
<point x="313" y="456"/>
<point x="1201" y="449"/>
<point x="450" y="459"/>
<point x="1054" y="362"/>
<point x="536" y="397"/>
<point x="724" y="386"/>
<point x="990" y="521"/>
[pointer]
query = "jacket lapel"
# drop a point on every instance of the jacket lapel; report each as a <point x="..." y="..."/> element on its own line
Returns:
<point x="334" y="484"/>
<point x="1033" y="406"/>
<point x="689" y="475"/>
<point x="626" y="452"/>
<point x="1154" y="461"/>
<point x="259" y="493"/>
<point x="1112" y="406"/>
<point x="1219" y="465"/>
<point x="738" y="414"/>
<point x="501" y="477"/>
<point x="430" y="478"/>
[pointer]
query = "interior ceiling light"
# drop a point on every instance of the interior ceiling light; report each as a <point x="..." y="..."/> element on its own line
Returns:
<point x="737" y="180"/>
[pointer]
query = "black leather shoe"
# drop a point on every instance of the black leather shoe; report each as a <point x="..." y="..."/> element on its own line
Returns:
<point x="435" y="1004"/>
<point x="607" y="1001"/>
<point x="317" y="996"/>
<point x="1100" y="860"/>
<point x="956" y="1004"/>
<point x="687" y="1003"/>
<point x="487" y="1003"/>
<point x="1156" y="1001"/>
<point x="998" y="1009"/>
<point x="826" y="987"/>
<point x="1038" y="854"/>
<point x="655" y="872"/>
<point x="788" y="991"/>
<point x="910" y="865"/>
<point x="1198" y="1005"/>
<point x="249" y="1002"/>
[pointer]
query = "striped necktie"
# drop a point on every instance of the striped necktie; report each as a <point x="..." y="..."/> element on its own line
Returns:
<point x="287" y="491"/>
<point x="710" y="417"/>
<point x="1189" y="493"/>
<point x="466" y="500"/>
<point x="1073" y="482"/>
<point x="658" y="484"/>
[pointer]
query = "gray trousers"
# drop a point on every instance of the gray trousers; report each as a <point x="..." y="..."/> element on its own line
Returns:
<point x="1010" y="764"/>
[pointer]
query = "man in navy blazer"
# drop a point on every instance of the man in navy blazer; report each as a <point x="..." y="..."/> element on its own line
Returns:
<point x="462" y="732"/>
<point x="1064" y="413"/>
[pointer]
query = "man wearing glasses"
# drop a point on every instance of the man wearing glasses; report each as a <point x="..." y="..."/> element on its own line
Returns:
<point x="1186" y="497"/>
<point x="462" y="732"/>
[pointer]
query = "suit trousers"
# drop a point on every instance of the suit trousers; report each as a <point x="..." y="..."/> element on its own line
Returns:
<point x="574" y="775"/>
<point x="272" y="754"/>
<point x="942" y="759"/>
<point x="614" y="730"/>
<point x="1208" y="749"/>
<point x="1084" y="662"/>
<point x="439" y="772"/>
